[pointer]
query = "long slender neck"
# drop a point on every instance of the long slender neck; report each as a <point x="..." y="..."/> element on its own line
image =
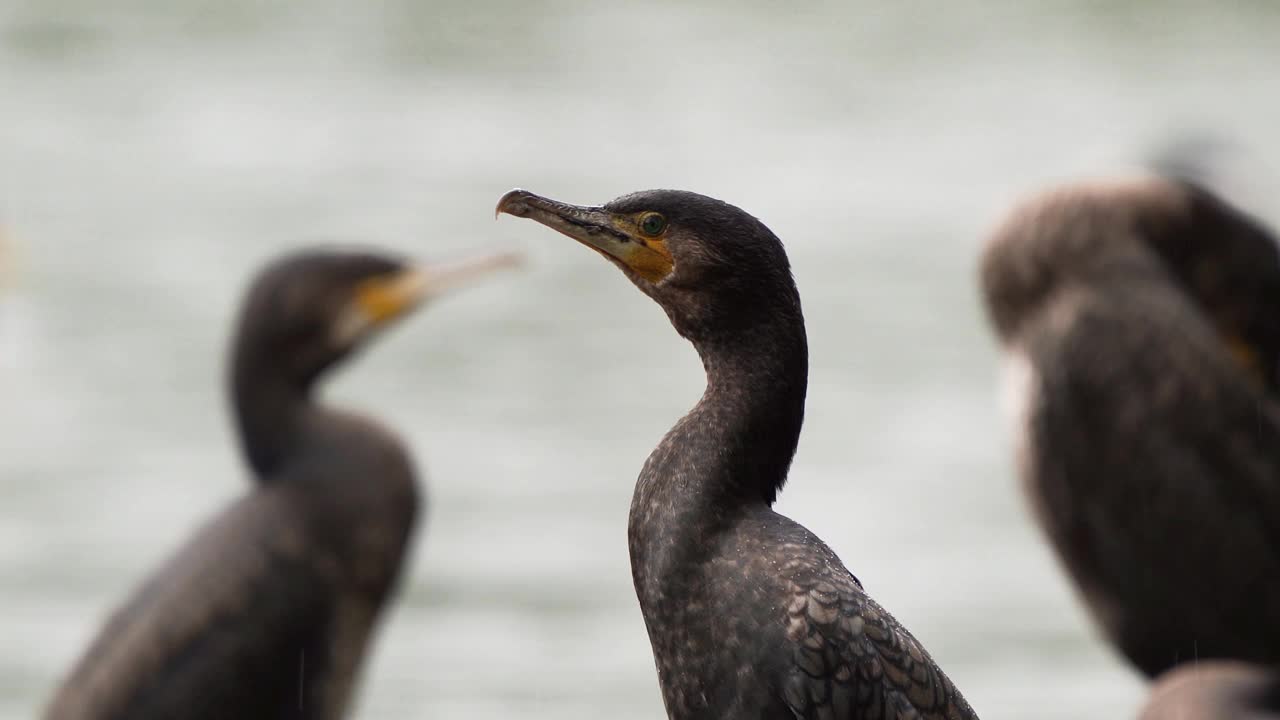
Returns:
<point x="752" y="410"/>
<point x="269" y="410"/>
<point x="733" y="450"/>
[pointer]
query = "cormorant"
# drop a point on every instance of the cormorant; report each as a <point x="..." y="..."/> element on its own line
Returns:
<point x="1141" y="320"/>
<point x="268" y="610"/>
<point x="1215" y="690"/>
<point x="749" y="614"/>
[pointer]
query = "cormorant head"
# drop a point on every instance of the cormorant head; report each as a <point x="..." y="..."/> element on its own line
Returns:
<point x="1164" y="230"/>
<point x="308" y="310"/>
<point x="714" y="268"/>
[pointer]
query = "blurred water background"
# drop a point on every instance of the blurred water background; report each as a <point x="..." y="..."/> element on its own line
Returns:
<point x="153" y="154"/>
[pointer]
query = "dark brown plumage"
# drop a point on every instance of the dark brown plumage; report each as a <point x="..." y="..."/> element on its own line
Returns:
<point x="1214" y="691"/>
<point x="1145" y="319"/>
<point x="749" y="614"/>
<point x="268" y="610"/>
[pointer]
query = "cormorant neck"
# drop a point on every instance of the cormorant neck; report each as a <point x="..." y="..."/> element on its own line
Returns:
<point x="735" y="446"/>
<point x="269" y="409"/>
<point x="753" y="405"/>
<point x="726" y="458"/>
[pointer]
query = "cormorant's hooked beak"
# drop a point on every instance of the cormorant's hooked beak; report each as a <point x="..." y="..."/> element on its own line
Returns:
<point x="380" y="300"/>
<point x="614" y="235"/>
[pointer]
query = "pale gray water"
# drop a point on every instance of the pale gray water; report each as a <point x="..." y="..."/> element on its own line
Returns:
<point x="153" y="153"/>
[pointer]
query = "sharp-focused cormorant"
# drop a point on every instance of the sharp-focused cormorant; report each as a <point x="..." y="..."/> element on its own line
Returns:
<point x="1142" y="323"/>
<point x="268" y="610"/>
<point x="1215" y="691"/>
<point x="749" y="614"/>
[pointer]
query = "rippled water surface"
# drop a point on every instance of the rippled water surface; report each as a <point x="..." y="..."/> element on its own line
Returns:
<point x="152" y="154"/>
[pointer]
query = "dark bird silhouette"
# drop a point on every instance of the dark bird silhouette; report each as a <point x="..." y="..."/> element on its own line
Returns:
<point x="268" y="610"/>
<point x="1214" y="691"/>
<point x="1143" y="320"/>
<point x="749" y="614"/>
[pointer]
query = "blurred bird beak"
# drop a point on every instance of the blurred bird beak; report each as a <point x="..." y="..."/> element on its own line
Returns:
<point x="380" y="300"/>
<point x="613" y="236"/>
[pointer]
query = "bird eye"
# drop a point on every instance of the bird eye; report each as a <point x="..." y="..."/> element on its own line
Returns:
<point x="652" y="223"/>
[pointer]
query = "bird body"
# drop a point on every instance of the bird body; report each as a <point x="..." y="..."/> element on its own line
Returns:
<point x="749" y="614"/>
<point x="269" y="609"/>
<point x="266" y="610"/>
<point x="771" y="625"/>
<point x="1149" y="443"/>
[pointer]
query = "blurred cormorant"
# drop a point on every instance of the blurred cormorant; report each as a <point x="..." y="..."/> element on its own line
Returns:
<point x="268" y="610"/>
<point x="1142" y="324"/>
<point x="749" y="614"/>
<point x="1215" y="690"/>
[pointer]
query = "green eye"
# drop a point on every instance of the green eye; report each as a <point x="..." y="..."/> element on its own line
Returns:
<point x="652" y="223"/>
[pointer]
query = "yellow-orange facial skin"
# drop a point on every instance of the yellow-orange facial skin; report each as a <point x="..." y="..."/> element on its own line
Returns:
<point x="383" y="299"/>
<point x="647" y="256"/>
<point x="377" y="301"/>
